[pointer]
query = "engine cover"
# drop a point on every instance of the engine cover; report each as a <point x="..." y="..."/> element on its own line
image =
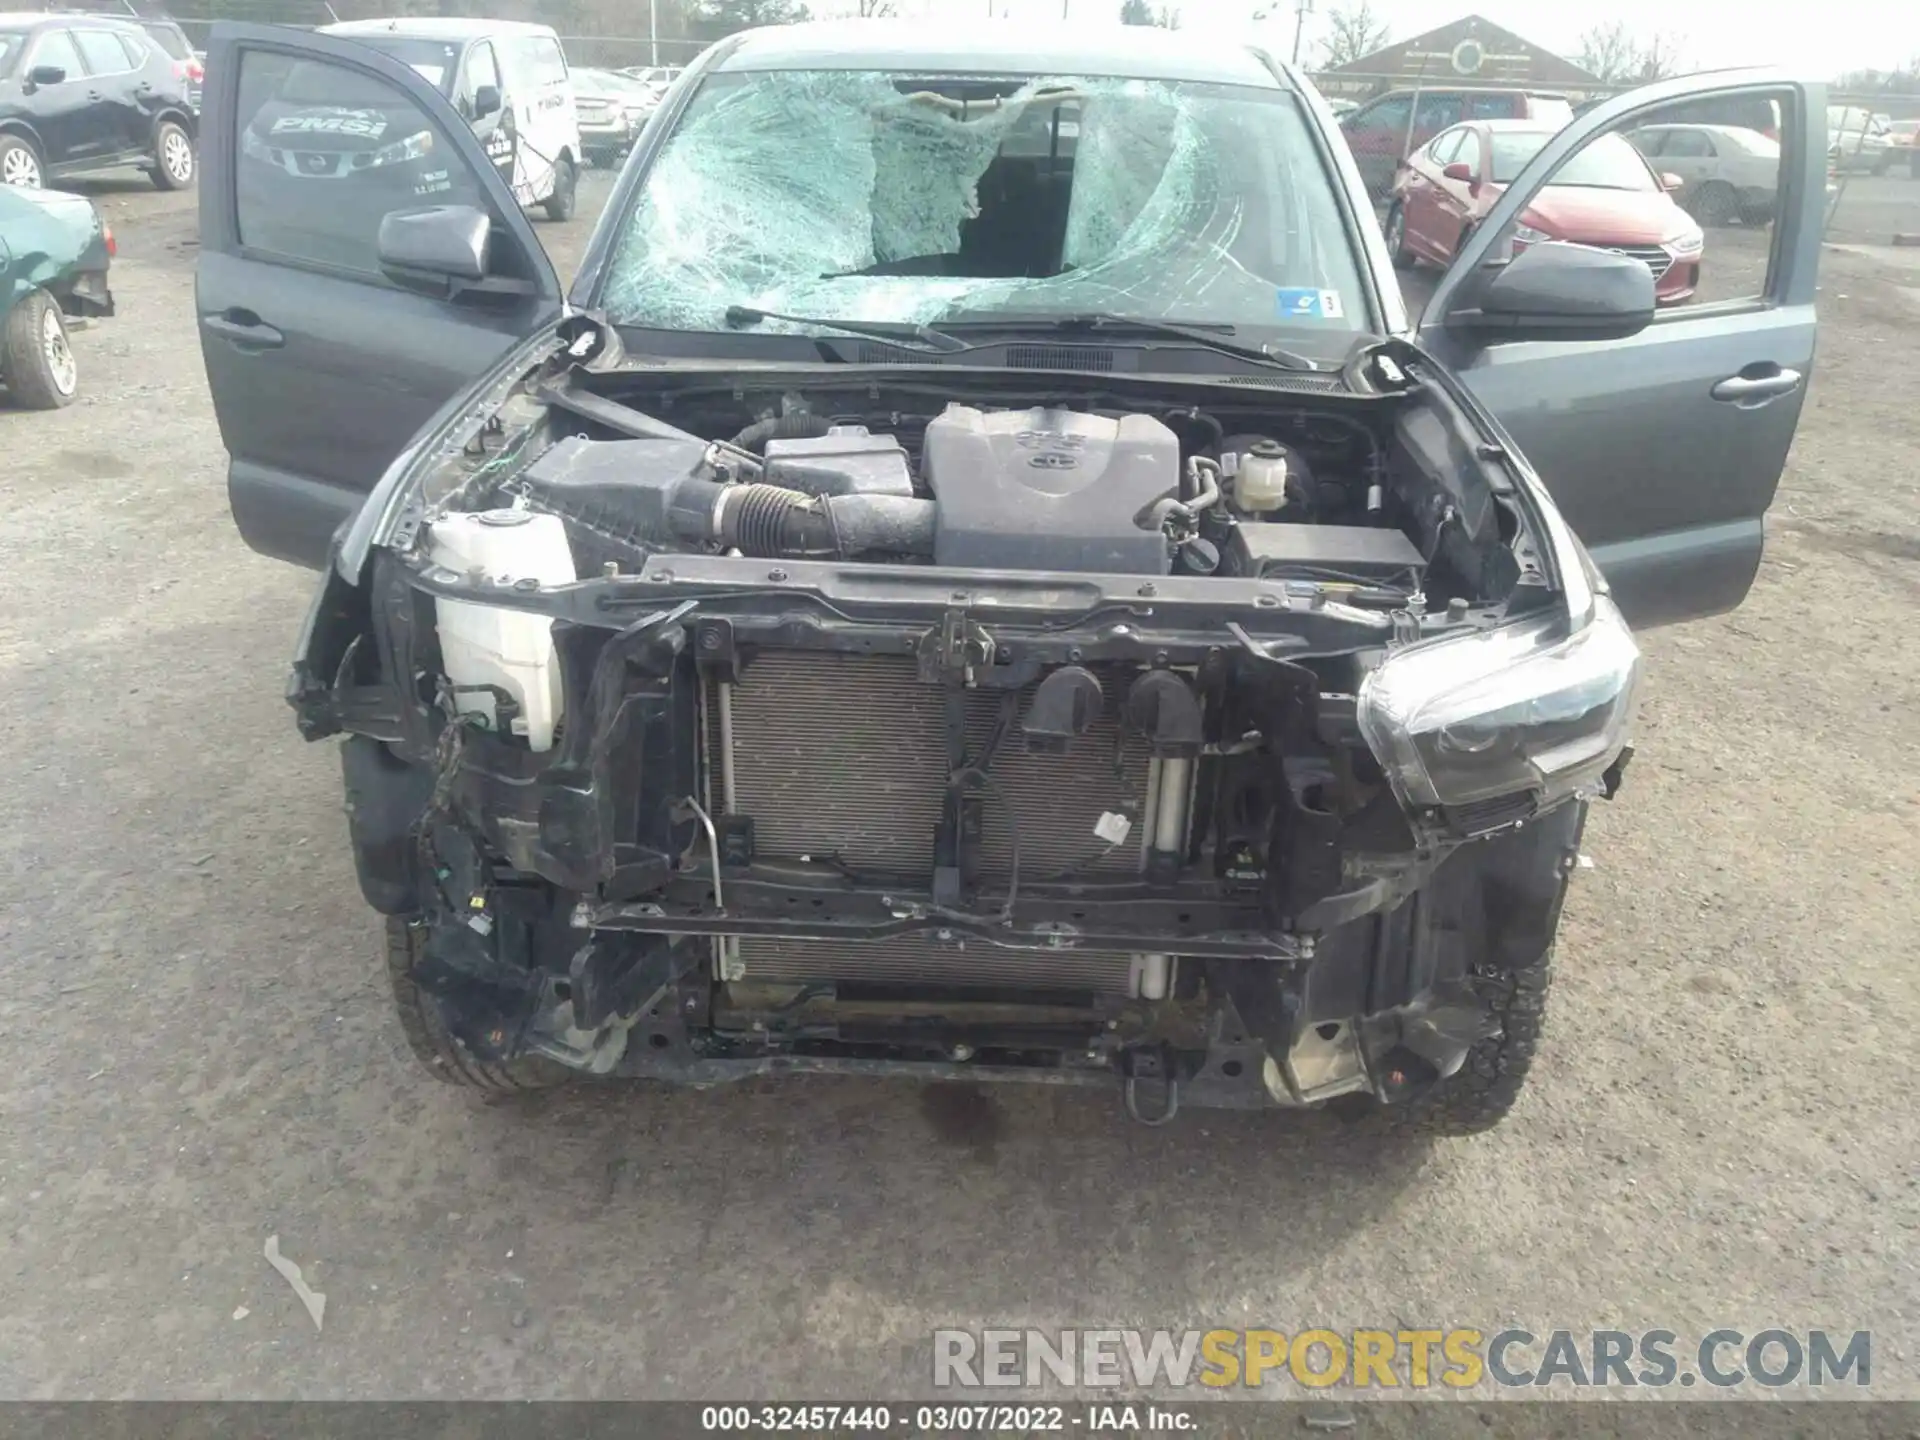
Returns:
<point x="1049" y="489"/>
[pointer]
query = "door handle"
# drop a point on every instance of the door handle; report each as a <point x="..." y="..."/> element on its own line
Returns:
<point x="1744" y="389"/>
<point x="245" y="329"/>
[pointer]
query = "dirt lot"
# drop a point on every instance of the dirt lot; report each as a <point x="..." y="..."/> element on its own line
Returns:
<point x="200" y="1053"/>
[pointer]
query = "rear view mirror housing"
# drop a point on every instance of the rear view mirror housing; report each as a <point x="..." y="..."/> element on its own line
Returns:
<point x="486" y="101"/>
<point x="1670" y="181"/>
<point x="1459" y="170"/>
<point x="1556" y="291"/>
<point x="46" y="75"/>
<point x="436" y="248"/>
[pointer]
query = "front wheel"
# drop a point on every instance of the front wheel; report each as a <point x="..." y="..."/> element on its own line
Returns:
<point x="36" y="359"/>
<point x="173" y="160"/>
<point x="436" y="1047"/>
<point x="1478" y="1095"/>
<point x="566" y="182"/>
<point x="1714" y="203"/>
<point x="1397" y="237"/>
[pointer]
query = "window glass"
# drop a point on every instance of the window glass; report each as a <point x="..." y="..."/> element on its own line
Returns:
<point x="102" y="52"/>
<point x="136" y="52"/>
<point x="1491" y="107"/>
<point x="957" y="197"/>
<point x="171" y="40"/>
<point x="1389" y="114"/>
<point x="481" y="69"/>
<point x="1437" y="111"/>
<point x="56" y="47"/>
<point x="432" y="60"/>
<point x="1446" y="147"/>
<point x="544" y="61"/>
<point x="1699" y="214"/>
<point x="326" y="152"/>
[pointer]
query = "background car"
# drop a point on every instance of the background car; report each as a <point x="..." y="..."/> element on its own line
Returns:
<point x="1858" y="140"/>
<point x="613" y="109"/>
<point x="1726" y="173"/>
<point x="510" y="82"/>
<point x="54" y="252"/>
<point x="1606" y="197"/>
<point x="1389" y="127"/>
<point x="1903" y="140"/>
<point x="86" y="92"/>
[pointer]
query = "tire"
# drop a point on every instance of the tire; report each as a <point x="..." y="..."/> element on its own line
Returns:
<point x="174" y="161"/>
<point x="1478" y="1095"/>
<point x="1396" y="228"/>
<point x="444" y="1057"/>
<point x="20" y="163"/>
<point x="566" y="185"/>
<point x="1714" y="203"/>
<point x="36" y="357"/>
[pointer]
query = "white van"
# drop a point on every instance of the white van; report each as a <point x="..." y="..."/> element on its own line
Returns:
<point x="509" y="80"/>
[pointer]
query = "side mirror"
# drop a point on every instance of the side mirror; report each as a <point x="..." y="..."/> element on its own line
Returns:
<point x="486" y="101"/>
<point x="46" y="75"/>
<point x="1555" y="291"/>
<point x="436" y="248"/>
<point x="1670" y="181"/>
<point x="1459" y="170"/>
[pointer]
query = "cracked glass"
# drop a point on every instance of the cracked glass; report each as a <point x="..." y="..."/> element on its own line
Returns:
<point x="876" y="196"/>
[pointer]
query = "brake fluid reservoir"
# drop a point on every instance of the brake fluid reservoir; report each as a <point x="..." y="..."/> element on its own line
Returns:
<point x="491" y="646"/>
<point x="1260" y="482"/>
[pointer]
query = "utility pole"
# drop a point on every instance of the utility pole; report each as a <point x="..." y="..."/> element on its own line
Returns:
<point x="653" y="32"/>
<point x="1303" y="9"/>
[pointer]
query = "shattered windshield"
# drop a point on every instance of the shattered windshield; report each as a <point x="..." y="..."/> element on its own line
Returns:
<point x="863" y="195"/>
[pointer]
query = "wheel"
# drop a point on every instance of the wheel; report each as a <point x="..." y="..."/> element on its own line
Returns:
<point x="1403" y="258"/>
<point x="19" y="163"/>
<point x="566" y="182"/>
<point x="35" y="357"/>
<point x="1478" y="1095"/>
<point x="173" y="160"/>
<point x="1714" y="203"/>
<point x="434" y="1046"/>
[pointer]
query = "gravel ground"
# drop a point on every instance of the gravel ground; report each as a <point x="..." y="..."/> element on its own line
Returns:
<point x="202" y="1055"/>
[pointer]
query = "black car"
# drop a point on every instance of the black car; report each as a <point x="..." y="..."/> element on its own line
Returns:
<point x="187" y="64"/>
<point x="86" y="92"/>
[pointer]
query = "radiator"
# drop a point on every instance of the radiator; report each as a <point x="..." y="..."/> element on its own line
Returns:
<point x="844" y="756"/>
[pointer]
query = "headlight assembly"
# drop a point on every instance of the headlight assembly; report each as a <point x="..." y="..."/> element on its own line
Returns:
<point x="1518" y="713"/>
<point x="412" y="148"/>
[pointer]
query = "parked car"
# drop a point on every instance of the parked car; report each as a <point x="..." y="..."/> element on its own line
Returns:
<point x="1607" y="196"/>
<point x="80" y="93"/>
<point x="988" y="628"/>
<point x="1903" y="143"/>
<point x="507" y="78"/>
<point x="1726" y="173"/>
<point x="1389" y="127"/>
<point x="1743" y="112"/>
<point x="1858" y="140"/>
<point x="54" y="253"/>
<point x="613" y="109"/>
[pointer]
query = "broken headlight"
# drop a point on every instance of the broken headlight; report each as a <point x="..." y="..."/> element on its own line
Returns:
<point x="1526" y="709"/>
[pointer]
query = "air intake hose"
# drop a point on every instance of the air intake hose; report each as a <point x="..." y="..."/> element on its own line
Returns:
<point x="772" y="521"/>
<point x="781" y="427"/>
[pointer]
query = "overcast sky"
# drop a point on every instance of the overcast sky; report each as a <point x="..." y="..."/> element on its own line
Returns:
<point x="1826" y="39"/>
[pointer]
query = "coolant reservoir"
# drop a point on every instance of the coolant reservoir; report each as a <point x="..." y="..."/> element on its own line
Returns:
<point x="1260" y="482"/>
<point x="489" y="645"/>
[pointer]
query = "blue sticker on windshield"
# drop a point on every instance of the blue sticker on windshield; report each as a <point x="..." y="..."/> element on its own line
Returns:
<point x="1299" y="303"/>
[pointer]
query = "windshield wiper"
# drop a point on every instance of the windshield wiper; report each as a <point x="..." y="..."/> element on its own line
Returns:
<point x="895" y="332"/>
<point x="1206" y="334"/>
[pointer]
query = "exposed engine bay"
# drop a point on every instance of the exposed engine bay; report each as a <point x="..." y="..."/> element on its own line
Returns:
<point x="1018" y="734"/>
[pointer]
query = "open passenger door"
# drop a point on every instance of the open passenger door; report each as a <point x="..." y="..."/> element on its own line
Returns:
<point x="361" y="265"/>
<point x="1663" y="447"/>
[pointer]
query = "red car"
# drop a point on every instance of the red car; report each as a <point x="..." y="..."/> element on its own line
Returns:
<point x="1607" y="196"/>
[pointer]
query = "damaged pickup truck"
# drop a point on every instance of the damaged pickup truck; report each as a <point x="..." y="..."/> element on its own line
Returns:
<point x="982" y="579"/>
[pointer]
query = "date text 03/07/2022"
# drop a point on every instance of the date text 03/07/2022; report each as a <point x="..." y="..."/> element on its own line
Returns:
<point x="948" y="1419"/>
